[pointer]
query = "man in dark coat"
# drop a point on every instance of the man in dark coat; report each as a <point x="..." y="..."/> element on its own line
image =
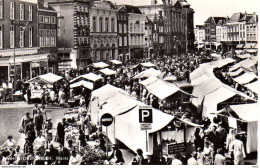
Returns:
<point x="60" y="132"/>
<point x="38" y="121"/>
<point x="29" y="94"/>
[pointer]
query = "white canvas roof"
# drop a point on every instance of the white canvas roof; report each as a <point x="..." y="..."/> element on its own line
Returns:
<point x="148" y="81"/>
<point x="100" y="65"/>
<point x="148" y="73"/>
<point x="200" y="80"/>
<point x="127" y="126"/>
<point x="49" y="78"/>
<point x="247" y="112"/>
<point x="222" y="62"/>
<point x="90" y="76"/>
<point x="237" y="72"/>
<point x="243" y="56"/>
<point x="85" y="84"/>
<point x="116" y="62"/>
<point x="234" y="67"/>
<point x="213" y="99"/>
<point x="108" y="71"/>
<point x="245" y="78"/>
<point x="247" y="63"/>
<point x="148" y="64"/>
<point x="170" y="78"/>
<point x="253" y="87"/>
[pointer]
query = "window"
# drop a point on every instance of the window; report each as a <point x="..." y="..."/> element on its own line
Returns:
<point x="1" y="36"/>
<point x="101" y="24"/>
<point x="94" y="24"/>
<point x="48" y="42"/>
<point x="112" y="25"/>
<point x="12" y="36"/>
<point x="1" y="8"/>
<point x="41" y="19"/>
<point x="106" y="25"/>
<point x="53" y="38"/>
<point x="131" y="27"/>
<point x="53" y="20"/>
<point x="47" y="19"/>
<point x="41" y="34"/>
<point x="30" y="36"/>
<point x="30" y="13"/>
<point x="125" y="40"/>
<point x="11" y="10"/>
<point x="120" y="41"/>
<point x="120" y="28"/>
<point x="21" y="11"/>
<point x="125" y="28"/>
<point x="21" y="36"/>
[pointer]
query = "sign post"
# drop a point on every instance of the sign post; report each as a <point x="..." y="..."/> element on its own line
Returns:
<point x="106" y="120"/>
<point x="146" y="120"/>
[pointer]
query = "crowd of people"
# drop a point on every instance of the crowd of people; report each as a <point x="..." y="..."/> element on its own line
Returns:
<point x="213" y="145"/>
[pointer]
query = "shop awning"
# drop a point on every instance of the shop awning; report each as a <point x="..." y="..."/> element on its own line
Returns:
<point x="256" y="46"/>
<point x="100" y="65"/>
<point x="148" y="73"/>
<point x="85" y="84"/>
<point x="49" y="78"/>
<point x="90" y="76"/>
<point x="234" y="67"/>
<point x="240" y="46"/>
<point x="108" y="71"/>
<point x="148" y="64"/>
<point x="245" y="78"/>
<point x="253" y="87"/>
<point x="116" y="62"/>
<point x="237" y="72"/>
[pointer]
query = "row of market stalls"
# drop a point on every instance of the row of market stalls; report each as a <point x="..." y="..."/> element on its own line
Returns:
<point x="245" y="73"/>
<point x="166" y="129"/>
<point x="214" y="97"/>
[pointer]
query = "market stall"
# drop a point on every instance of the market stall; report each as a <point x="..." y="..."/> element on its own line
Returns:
<point x="212" y="100"/>
<point x="88" y="77"/>
<point x="127" y="126"/>
<point x="242" y="117"/>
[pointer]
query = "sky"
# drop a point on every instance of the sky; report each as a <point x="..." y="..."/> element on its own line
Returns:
<point x="206" y="8"/>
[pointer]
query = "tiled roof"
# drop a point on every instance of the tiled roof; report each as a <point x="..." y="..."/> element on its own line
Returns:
<point x="132" y="9"/>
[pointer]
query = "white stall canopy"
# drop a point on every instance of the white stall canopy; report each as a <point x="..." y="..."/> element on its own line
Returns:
<point x="148" y="73"/>
<point x="48" y="78"/>
<point x="116" y="62"/>
<point x="253" y="87"/>
<point x="108" y="71"/>
<point x="90" y="76"/>
<point x="100" y="65"/>
<point x="245" y="78"/>
<point x="85" y="84"/>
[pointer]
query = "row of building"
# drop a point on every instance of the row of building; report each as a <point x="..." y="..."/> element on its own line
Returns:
<point x="240" y="31"/>
<point x="51" y="35"/>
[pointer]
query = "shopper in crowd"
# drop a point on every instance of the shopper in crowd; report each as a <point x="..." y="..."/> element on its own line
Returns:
<point x="237" y="147"/>
<point x="116" y="156"/>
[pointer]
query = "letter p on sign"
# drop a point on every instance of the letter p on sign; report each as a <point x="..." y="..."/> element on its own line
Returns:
<point x="145" y="116"/>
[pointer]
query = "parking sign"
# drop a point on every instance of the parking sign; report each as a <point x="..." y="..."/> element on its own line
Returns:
<point x="145" y="115"/>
